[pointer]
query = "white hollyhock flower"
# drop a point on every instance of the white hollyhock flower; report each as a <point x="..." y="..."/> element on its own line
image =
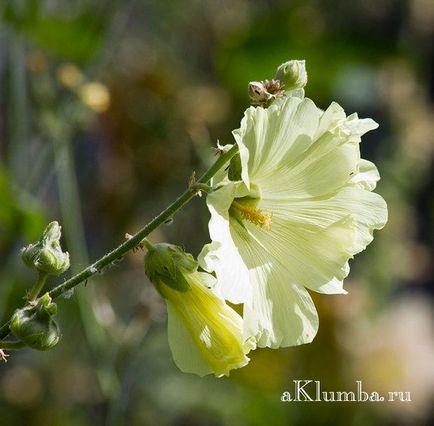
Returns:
<point x="205" y="334"/>
<point x="302" y="208"/>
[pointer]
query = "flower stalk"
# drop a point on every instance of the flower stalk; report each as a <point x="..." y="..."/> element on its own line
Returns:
<point x="118" y="253"/>
<point x="37" y="287"/>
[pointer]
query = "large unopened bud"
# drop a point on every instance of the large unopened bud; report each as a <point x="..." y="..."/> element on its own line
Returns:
<point x="35" y="326"/>
<point x="46" y="255"/>
<point x="205" y="334"/>
<point x="292" y="74"/>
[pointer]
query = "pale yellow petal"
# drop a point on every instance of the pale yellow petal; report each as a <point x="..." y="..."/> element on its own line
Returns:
<point x="185" y="352"/>
<point x="205" y="334"/>
<point x="311" y="257"/>
<point x="282" y="313"/>
<point x="222" y="256"/>
<point x="268" y="134"/>
<point x="367" y="175"/>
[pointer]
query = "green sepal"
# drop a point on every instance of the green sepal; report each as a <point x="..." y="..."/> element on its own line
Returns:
<point x="234" y="172"/>
<point x="167" y="264"/>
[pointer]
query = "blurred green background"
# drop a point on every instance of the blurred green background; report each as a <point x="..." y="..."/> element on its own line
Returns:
<point x="107" y="106"/>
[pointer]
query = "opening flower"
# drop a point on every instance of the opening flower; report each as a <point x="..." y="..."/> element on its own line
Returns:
<point x="205" y="334"/>
<point x="300" y="210"/>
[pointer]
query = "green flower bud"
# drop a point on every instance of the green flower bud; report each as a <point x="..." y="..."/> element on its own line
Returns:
<point x="35" y="326"/>
<point x="166" y="264"/>
<point x="292" y="74"/>
<point x="46" y="255"/>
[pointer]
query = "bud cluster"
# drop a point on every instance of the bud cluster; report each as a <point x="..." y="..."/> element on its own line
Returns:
<point x="289" y="76"/>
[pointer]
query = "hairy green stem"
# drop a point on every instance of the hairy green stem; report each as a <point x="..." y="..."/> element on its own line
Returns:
<point x="37" y="287"/>
<point x="118" y="253"/>
<point x="135" y="240"/>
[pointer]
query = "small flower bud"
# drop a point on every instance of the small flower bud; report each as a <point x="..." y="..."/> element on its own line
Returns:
<point x="46" y="255"/>
<point x="35" y="326"/>
<point x="166" y="264"/>
<point x="258" y="93"/>
<point x="292" y="74"/>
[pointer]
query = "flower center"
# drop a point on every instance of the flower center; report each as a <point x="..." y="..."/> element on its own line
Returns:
<point x="246" y="211"/>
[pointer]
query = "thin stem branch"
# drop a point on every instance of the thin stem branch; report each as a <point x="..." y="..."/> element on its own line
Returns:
<point x="37" y="287"/>
<point x="11" y="345"/>
<point x="118" y="253"/>
<point x="148" y="244"/>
